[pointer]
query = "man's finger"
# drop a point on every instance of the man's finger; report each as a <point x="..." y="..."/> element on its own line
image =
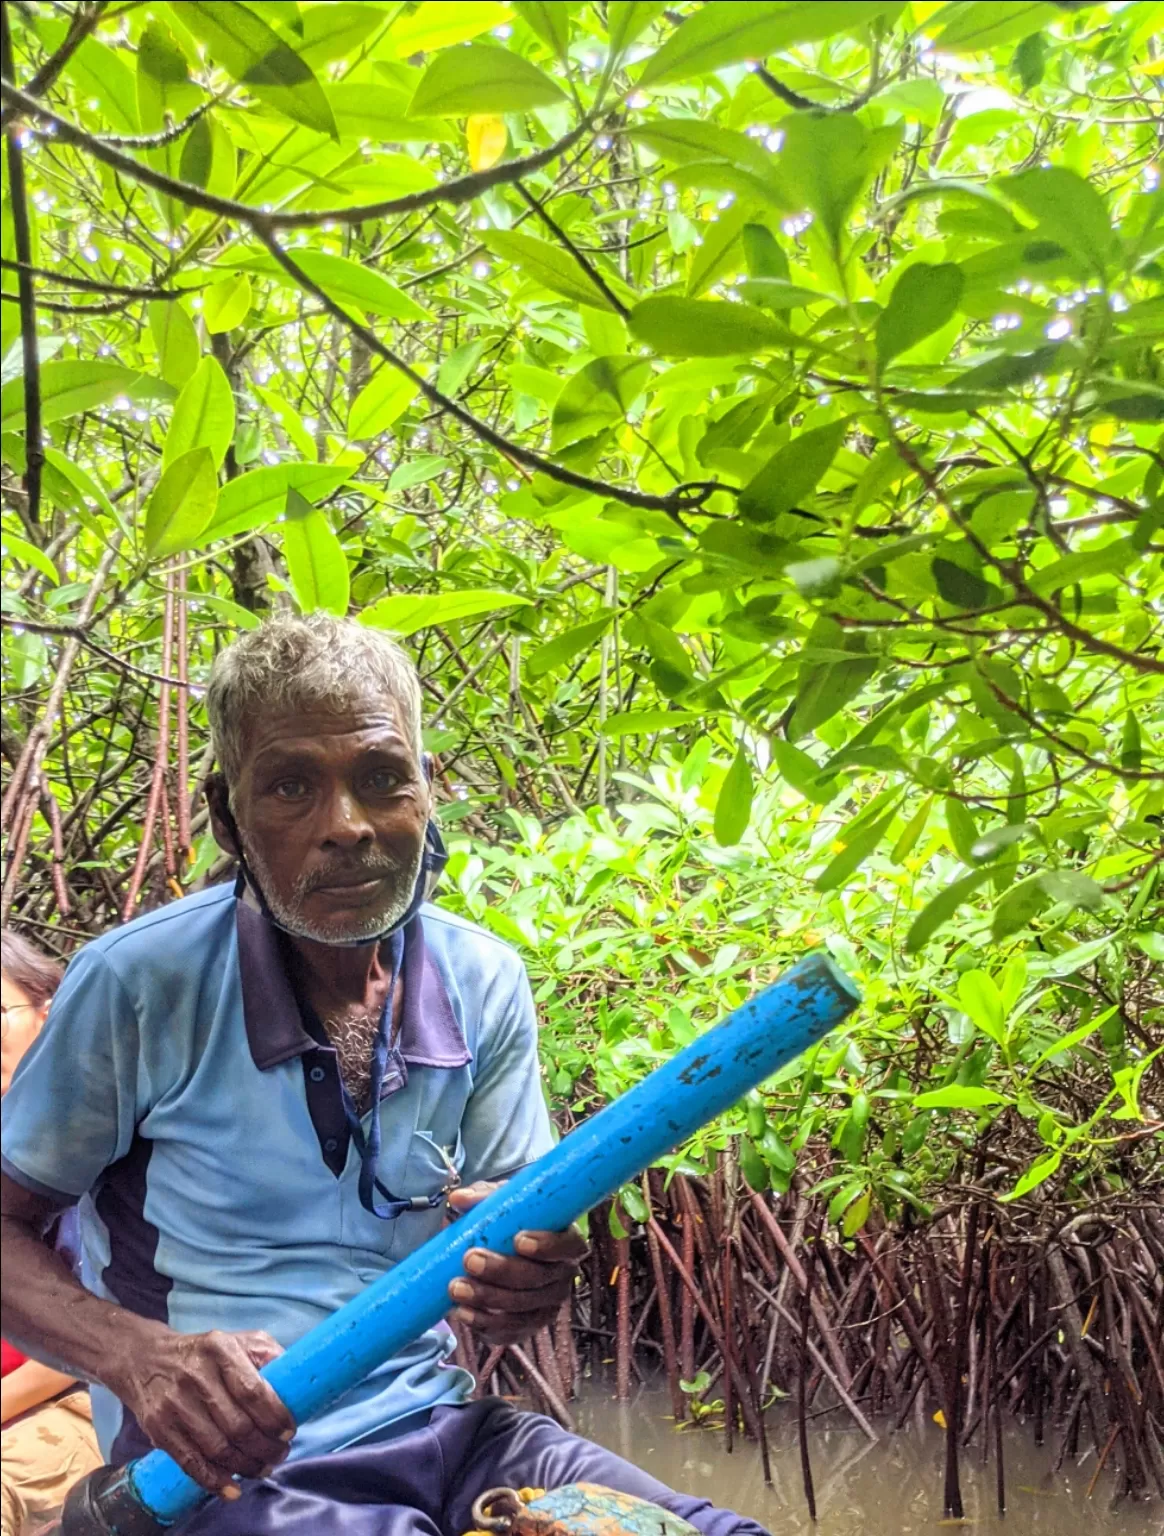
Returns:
<point x="568" y="1247"/>
<point x="464" y="1199"/>
<point x="513" y="1273"/>
<point x="478" y="1296"/>
<point x="247" y="1388"/>
<point x="497" y="1329"/>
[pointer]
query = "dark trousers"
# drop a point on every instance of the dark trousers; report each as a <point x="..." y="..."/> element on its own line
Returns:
<point x="424" y="1483"/>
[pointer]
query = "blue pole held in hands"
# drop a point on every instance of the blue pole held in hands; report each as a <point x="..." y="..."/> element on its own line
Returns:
<point x="592" y="1162"/>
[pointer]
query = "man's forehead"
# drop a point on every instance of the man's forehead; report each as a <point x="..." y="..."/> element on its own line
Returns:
<point x="378" y="722"/>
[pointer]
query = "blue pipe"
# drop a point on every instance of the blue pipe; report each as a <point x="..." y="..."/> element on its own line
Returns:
<point x="593" y="1161"/>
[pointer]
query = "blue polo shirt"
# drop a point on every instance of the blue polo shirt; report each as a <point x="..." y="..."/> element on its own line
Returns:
<point x="178" y="1096"/>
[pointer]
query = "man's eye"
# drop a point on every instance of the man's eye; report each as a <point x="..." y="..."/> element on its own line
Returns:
<point x="383" y="780"/>
<point x="290" y="789"/>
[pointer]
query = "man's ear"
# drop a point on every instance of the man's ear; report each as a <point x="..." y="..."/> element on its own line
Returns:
<point x="222" y="822"/>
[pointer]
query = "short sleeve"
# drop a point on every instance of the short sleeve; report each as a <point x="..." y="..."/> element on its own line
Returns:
<point x="506" y="1123"/>
<point x="70" y="1110"/>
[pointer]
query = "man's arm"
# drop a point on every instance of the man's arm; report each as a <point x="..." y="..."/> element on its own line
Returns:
<point x="198" y="1396"/>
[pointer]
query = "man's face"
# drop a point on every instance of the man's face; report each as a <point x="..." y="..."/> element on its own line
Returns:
<point x="331" y="810"/>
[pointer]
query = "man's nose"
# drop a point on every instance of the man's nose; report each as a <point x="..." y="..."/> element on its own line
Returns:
<point x="346" y="822"/>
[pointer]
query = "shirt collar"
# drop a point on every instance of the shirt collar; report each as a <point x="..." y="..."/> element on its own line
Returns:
<point x="430" y="1035"/>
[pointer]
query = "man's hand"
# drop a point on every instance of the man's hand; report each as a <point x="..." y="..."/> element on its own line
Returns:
<point x="506" y="1299"/>
<point x="200" y="1397"/>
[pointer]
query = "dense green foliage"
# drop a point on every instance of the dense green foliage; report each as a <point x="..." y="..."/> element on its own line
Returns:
<point x="751" y="415"/>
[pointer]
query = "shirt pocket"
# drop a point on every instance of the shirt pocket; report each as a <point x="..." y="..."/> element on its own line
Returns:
<point x="431" y="1166"/>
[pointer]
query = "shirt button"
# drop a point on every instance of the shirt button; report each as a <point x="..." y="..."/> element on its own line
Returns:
<point x="317" y="1074"/>
<point x="330" y="1144"/>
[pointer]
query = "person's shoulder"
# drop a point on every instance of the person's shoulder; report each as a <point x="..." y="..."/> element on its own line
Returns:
<point x="466" y="944"/>
<point x="177" y="933"/>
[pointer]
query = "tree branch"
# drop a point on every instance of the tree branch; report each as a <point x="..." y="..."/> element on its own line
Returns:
<point x="82" y="24"/>
<point x="461" y="190"/>
<point x="563" y="239"/>
<point x="21" y="238"/>
<point x="683" y="498"/>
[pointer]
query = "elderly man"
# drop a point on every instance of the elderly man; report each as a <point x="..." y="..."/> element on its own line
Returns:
<point x="265" y="1096"/>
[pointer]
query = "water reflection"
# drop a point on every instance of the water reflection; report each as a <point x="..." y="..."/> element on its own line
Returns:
<point x="892" y="1488"/>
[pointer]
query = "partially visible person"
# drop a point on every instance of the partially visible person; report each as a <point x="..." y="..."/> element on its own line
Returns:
<point x="47" y="1442"/>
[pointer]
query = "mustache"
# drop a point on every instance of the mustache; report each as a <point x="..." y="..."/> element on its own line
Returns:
<point x="336" y="871"/>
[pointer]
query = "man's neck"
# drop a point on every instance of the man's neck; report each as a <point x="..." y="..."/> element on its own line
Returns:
<point x="351" y="974"/>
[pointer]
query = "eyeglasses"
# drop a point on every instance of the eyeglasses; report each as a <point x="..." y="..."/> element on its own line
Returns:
<point x="10" y="1008"/>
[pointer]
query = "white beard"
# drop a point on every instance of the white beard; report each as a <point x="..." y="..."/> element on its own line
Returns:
<point x="352" y="930"/>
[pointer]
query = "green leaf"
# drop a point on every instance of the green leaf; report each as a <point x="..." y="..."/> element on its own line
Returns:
<point x="857" y="1215"/>
<point x="675" y="327"/>
<point x="942" y="907"/>
<point x="962" y="830"/>
<point x="458" y="365"/>
<point x="856" y="850"/>
<point x="182" y="503"/>
<point x="1068" y="570"/>
<point x="258" y="58"/>
<point x="1131" y="744"/>
<point x="548" y="265"/>
<point x="645" y="722"/>
<point x="29" y="554"/>
<point x="333" y="31"/>
<point x="791" y="474"/>
<point x="100" y="74"/>
<point x="998" y="838"/>
<point x="258" y="497"/>
<point x="226" y="304"/>
<point x="721" y="245"/>
<point x="69" y="387"/>
<point x="912" y="831"/>
<point x="427" y="466"/>
<point x="26" y="656"/>
<point x="823" y="690"/>
<point x="1069" y="210"/>
<point x="923" y="299"/>
<point x="549" y="20"/>
<point x="733" y="807"/>
<point x="1038" y="1173"/>
<point x="963" y="588"/>
<point x="381" y="402"/>
<point x="203" y="415"/>
<point x="982" y="1002"/>
<point x="959" y="1096"/>
<point x="731" y="31"/>
<point x="632" y="1202"/>
<point x="970" y="26"/>
<point x="175" y="339"/>
<point x="626" y="20"/>
<point x="683" y="140"/>
<point x="597" y="396"/>
<point x="357" y="289"/>
<point x="1017" y="906"/>
<point x="479" y="78"/>
<point x="405" y="614"/>
<point x="315" y="558"/>
<point x="764" y="254"/>
<point x="826" y="161"/>
<point x="1030" y="60"/>
<point x="163" y="79"/>
<point x="564" y="647"/>
<point x="436" y="24"/>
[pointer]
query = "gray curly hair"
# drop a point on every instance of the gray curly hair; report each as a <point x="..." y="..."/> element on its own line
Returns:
<point x="315" y="662"/>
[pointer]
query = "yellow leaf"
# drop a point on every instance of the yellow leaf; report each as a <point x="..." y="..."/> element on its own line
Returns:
<point x="487" y="140"/>
<point x="940" y="1419"/>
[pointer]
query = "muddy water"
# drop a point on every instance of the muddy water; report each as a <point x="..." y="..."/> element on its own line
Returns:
<point x="893" y="1488"/>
